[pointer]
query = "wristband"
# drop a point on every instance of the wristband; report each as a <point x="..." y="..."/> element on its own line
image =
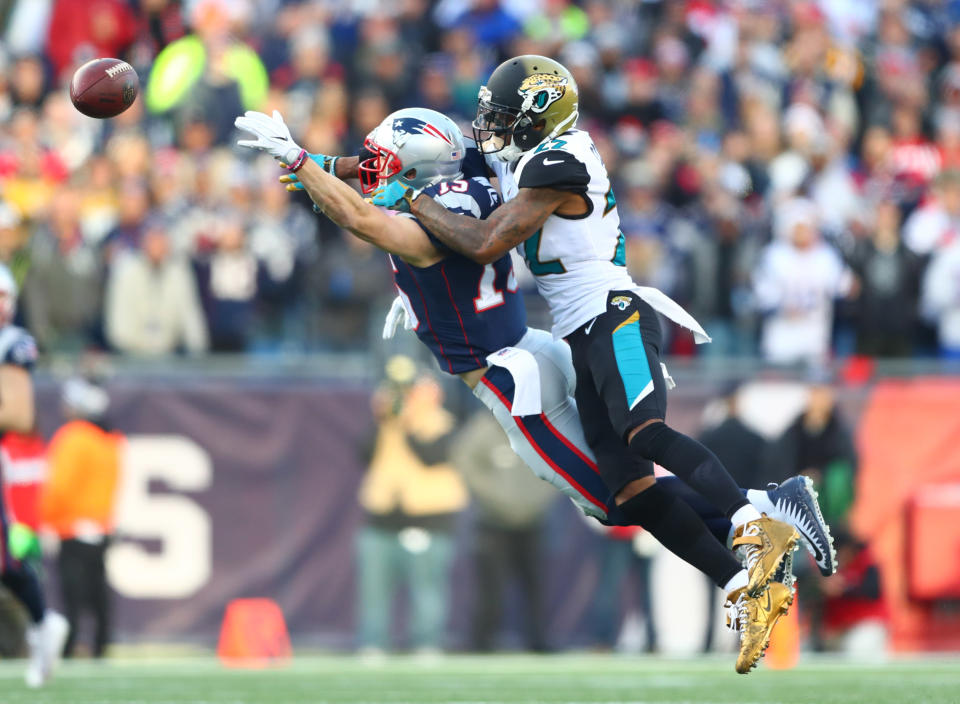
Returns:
<point x="298" y="162"/>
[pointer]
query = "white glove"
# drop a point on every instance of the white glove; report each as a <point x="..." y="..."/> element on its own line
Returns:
<point x="397" y="315"/>
<point x="272" y="135"/>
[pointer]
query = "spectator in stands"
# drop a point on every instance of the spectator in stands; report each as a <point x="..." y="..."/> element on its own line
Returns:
<point x="855" y="614"/>
<point x="353" y="280"/>
<point x="152" y="305"/>
<point x="936" y="223"/>
<point x="889" y="275"/>
<point x="410" y="495"/>
<point x="941" y="297"/>
<point x="14" y="250"/>
<point x="82" y="30"/>
<point x="511" y="505"/>
<point x="228" y="282"/>
<point x="819" y="444"/>
<point x="78" y="505"/>
<point x="795" y="284"/>
<point x="63" y="290"/>
<point x="209" y="72"/>
<point x="625" y="558"/>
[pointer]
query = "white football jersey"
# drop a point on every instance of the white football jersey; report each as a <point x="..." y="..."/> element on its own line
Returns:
<point x="577" y="260"/>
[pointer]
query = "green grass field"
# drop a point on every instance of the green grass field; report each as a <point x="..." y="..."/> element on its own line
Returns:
<point x="566" y="679"/>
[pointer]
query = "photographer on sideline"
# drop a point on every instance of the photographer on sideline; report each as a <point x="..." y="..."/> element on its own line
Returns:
<point x="411" y="496"/>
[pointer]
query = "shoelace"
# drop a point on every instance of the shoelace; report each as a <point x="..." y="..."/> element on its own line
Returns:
<point x="751" y="553"/>
<point x="737" y="613"/>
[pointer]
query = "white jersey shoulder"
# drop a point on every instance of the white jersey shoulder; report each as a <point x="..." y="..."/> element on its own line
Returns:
<point x="576" y="260"/>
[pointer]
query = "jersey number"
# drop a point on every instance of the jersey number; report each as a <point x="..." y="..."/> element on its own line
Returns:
<point x="531" y="252"/>
<point x="487" y="294"/>
<point x="458" y="186"/>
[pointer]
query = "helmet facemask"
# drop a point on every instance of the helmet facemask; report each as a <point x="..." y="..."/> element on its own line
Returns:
<point x="377" y="170"/>
<point x="499" y="130"/>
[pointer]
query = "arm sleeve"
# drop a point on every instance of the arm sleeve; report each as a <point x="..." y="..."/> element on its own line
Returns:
<point x="555" y="169"/>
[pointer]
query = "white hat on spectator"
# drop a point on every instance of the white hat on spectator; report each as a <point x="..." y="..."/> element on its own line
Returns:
<point x="793" y="212"/>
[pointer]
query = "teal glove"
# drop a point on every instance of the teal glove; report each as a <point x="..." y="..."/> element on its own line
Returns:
<point x="327" y="163"/>
<point x="395" y="196"/>
<point x="23" y="543"/>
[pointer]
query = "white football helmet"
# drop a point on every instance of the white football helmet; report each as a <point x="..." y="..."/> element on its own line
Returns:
<point x="417" y="140"/>
<point x="8" y="296"/>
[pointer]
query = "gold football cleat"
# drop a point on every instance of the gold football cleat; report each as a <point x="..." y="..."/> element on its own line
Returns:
<point x="764" y="543"/>
<point x="755" y="618"/>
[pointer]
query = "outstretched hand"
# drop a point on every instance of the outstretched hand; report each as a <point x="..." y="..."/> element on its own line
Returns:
<point x="271" y="133"/>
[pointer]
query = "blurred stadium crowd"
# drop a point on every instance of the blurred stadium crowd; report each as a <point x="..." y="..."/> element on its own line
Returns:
<point x="788" y="170"/>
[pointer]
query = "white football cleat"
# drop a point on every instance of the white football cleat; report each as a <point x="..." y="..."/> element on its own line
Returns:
<point x="45" y="642"/>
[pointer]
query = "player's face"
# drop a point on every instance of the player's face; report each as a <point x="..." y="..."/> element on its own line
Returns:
<point x="493" y="130"/>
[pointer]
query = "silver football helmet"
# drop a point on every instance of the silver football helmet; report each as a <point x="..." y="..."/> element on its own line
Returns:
<point x="415" y="146"/>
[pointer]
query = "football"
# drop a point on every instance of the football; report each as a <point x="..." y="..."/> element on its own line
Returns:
<point x="104" y="87"/>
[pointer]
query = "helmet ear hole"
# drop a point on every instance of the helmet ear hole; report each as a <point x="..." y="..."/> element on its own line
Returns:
<point x="412" y="173"/>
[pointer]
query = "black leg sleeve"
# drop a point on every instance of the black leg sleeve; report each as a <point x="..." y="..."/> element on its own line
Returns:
<point x="680" y="530"/>
<point x="23" y="582"/>
<point x="691" y="462"/>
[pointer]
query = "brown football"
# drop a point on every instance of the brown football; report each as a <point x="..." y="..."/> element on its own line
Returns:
<point x="104" y="87"/>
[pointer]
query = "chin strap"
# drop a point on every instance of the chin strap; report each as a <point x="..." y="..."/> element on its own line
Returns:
<point x="512" y="152"/>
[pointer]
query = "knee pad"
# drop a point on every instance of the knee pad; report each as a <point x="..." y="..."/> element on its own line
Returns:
<point x="652" y="441"/>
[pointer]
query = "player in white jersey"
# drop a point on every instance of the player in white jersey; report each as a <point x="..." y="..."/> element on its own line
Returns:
<point x="561" y="212"/>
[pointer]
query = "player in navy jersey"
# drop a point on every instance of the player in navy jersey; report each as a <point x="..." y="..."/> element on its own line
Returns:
<point x="18" y="352"/>
<point x="471" y="315"/>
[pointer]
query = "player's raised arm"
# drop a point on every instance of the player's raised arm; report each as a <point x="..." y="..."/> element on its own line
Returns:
<point x="333" y="197"/>
<point x="343" y="205"/>
<point x="487" y="240"/>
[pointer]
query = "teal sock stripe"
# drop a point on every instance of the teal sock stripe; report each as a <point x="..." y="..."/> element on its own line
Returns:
<point x="632" y="361"/>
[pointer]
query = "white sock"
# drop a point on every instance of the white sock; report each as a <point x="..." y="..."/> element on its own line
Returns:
<point x="761" y="499"/>
<point x="744" y="514"/>
<point x="740" y="579"/>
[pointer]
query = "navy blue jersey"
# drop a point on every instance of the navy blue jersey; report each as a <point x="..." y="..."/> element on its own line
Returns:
<point x="17" y="347"/>
<point x="462" y="310"/>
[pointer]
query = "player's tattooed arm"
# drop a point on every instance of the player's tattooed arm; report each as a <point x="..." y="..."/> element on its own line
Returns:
<point x="346" y="167"/>
<point x="339" y="202"/>
<point x="485" y="241"/>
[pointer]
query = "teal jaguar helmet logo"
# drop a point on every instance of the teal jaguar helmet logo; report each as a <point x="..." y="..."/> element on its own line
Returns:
<point x="542" y="90"/>
<point x="621" y="302"/>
